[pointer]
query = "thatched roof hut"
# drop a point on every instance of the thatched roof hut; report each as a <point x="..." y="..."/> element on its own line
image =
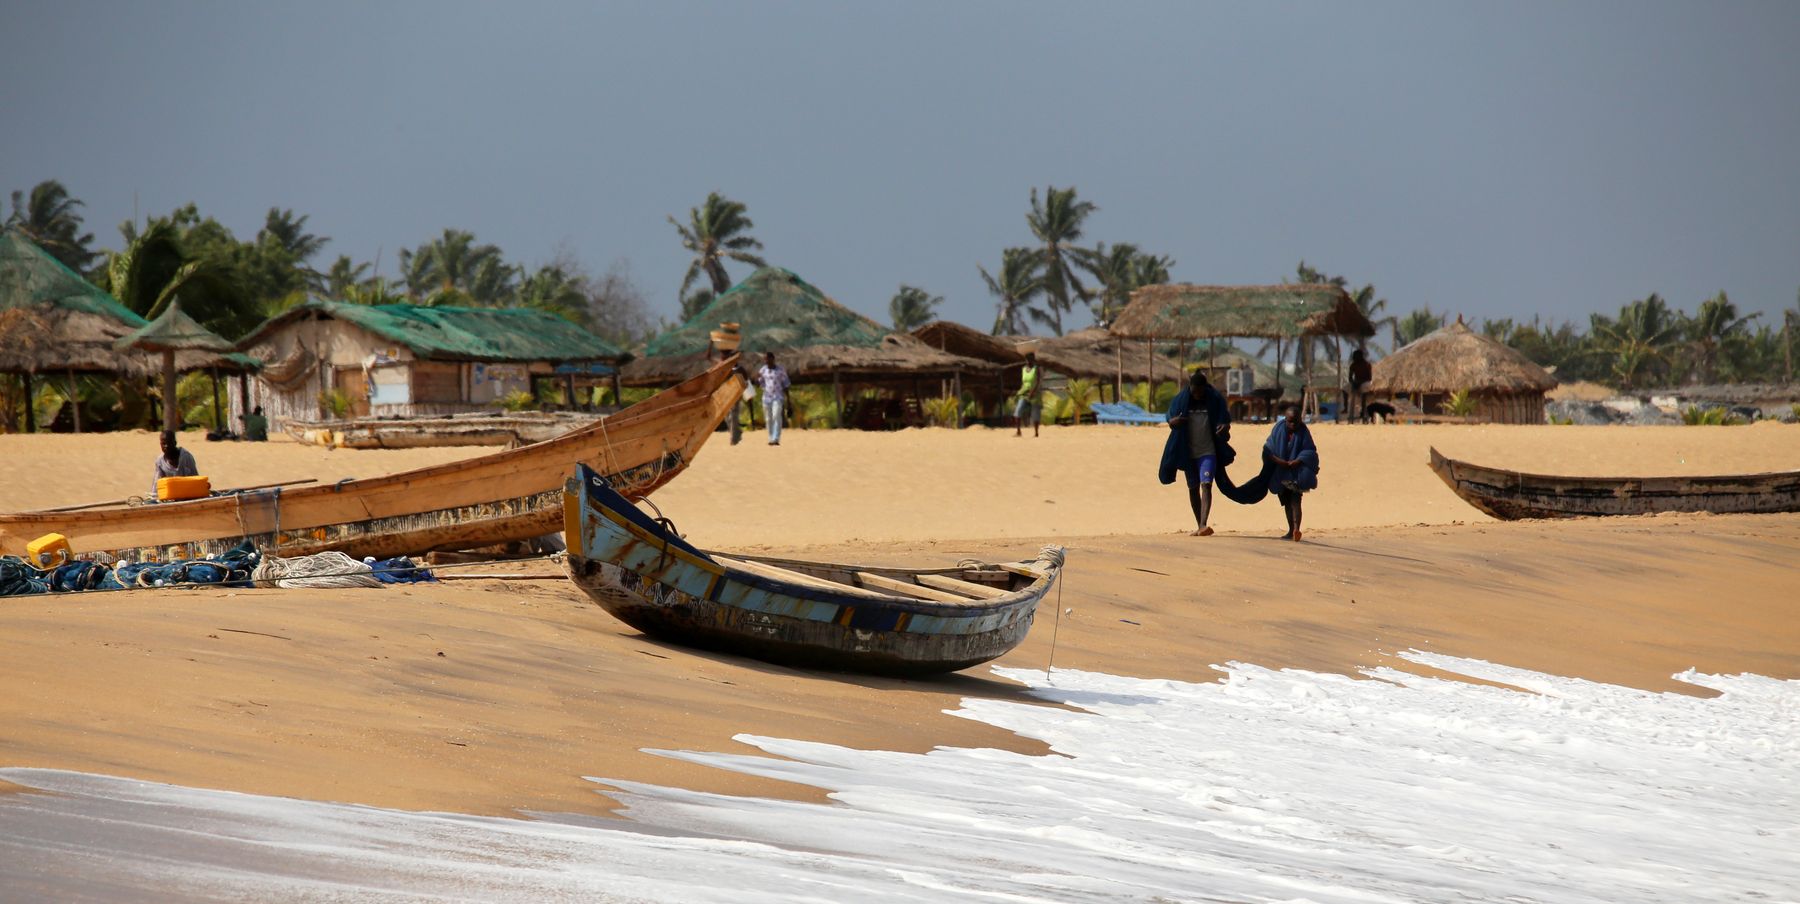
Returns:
<point x="1180" y="311"/>
<point x="53" y="321"/>
<point x="1507" y="387"/>
<point x="1096" y="354"/>
<point x="816" y="339"/>
<point x="969" y="342"/>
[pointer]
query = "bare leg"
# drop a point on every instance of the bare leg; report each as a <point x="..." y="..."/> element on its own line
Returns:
<point x="1200" y="500"/>
<point x="1296" y="516"/>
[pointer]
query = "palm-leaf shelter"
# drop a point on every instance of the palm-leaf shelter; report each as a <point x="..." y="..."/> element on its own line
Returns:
<point x="1285" y="313"/>
<point x="56" y="322"/>
<point x="816" y="340"/>
<point x="405" y="360"/>
<point x="1090" y="354"/>
<point x="170" y="334"/>
<point x="1506" y="386"/>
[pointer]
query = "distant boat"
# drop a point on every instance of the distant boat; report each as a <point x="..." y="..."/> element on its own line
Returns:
<point x="855" y="618"/>
<point x="491" y="428"/>
<point x="482" y="501"/>
<point x="1510" y="495"/>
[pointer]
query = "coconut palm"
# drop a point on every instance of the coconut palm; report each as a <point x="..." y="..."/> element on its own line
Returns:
<point x="50" y="218"/>
<point x="342" y="277"/>
<point x="1714" y="324"/>
<point x="1020" y="281"/>
<point x="553" y="289"/>
<point x="453" y="269"/>
<point x="1056" y="222"/>
<point x="1416" y="326"/>
<point x="1120" y="270"/>
<point x="715" y="231"/>
<point x="288" y="232"/>
<point x="912" y="307"/>
<point x="1639" y="340"/>
<point x="696" y="301"/>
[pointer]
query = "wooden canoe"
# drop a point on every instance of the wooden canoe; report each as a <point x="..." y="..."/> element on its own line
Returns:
<point x="855" y="618"/>
<point x="1510" y="495"/>
<point x="497" y="498"/>
<point x="480" y="429"/>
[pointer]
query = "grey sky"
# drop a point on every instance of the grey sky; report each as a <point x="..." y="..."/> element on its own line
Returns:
<point x="1494" y="159"/>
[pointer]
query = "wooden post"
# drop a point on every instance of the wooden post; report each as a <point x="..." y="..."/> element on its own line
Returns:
<point x="218" y="414"/>
<point x="171" y="420"/>
<point x="1150" y="372"/>
<point x="618" y="394"/>
<point x="837" y="392"/>
<point x="74" y="400"/>
<point x="956" y="392"/>
<point x="243" y="395"/>
<point x="30" y="409"/>
<point x="1119" y="376"/>
<point x="1279" y="389"/>
<point x="569" y="389"/>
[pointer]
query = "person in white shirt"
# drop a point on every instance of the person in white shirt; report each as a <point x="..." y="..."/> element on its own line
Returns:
<point x="775" y="384"/>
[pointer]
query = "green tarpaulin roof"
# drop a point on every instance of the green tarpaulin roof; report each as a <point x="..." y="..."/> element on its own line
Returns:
<point x="776" y="311"/>
<point x="459" y="334"/>
<point x="1266" y="312"/>
<point x="29" y="276"/>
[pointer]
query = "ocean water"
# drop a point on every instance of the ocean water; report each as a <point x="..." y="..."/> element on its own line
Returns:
<point x="1263" y="786"/>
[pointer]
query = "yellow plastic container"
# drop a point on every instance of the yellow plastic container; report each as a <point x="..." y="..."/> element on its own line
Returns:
<point x="48" y="551"/>
<point x="175" y="489"/>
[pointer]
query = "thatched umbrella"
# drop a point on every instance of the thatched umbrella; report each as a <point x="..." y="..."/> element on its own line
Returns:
<point x="1507" y="387"/>
<point x="170" y="333"/>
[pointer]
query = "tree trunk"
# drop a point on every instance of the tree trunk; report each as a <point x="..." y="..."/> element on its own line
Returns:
<point x="837" y="392"/>
<point x="74" y="400"/>
<point x="171" y="421"/>
<point x="30" y="409"/>
<point x="218" y="413"/>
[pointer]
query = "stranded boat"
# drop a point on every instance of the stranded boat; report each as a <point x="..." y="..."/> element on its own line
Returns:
<point x="507" y="429"/>
<point x="853" y="618"/>
<point x="1510" y="495"/>
<point x="491" y="499"/>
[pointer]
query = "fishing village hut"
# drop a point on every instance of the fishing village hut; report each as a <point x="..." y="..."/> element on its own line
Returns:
<point x="405" y="360"/>
<point x="816" y="340"/>
<point x="1294" y="314"/>
<point x="1506" y="386"/>
<point x="56" y="324"/>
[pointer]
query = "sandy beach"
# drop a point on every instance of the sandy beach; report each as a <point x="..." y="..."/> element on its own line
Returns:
<point x="495" y="697"/>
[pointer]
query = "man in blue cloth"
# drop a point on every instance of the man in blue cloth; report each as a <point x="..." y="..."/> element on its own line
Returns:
<point x="1199" y="423"/>
<point x="1293" y="463"/>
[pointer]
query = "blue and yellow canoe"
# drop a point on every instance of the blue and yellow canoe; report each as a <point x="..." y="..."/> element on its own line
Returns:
<point x="852" y="618"/>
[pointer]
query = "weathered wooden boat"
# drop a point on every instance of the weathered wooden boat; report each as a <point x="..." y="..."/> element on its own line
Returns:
<point x="496" y="498"/>
<point x="507" y="429"/>
<point x="1511" y="495"/>
<point x="845" y="617"/>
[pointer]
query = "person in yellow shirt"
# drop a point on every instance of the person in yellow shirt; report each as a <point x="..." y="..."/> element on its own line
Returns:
<point x="1028" y="402"/>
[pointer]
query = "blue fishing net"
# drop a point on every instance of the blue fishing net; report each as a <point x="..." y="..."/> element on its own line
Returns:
<point x="231" y="568"/>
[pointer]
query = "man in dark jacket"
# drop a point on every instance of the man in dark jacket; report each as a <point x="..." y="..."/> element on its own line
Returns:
<point x="1199" y="423"/>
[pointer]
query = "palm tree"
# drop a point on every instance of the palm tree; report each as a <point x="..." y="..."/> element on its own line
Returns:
<point x="715" y="231"/>
<point x="1638" y="340"/>
<point x="453" y="269"/>
<point x="1416" y="326"/>
<point x="374" y="291"/>
<point x="343" y="276"/>
<point x="696" y="301"/>
<point x="1372" y="308"/>
<point x="1056" y="222"/>
<point x="49" y="217"/>
<point x="553" y="289"/>
<point x="1020" y="281"/>
<point x="288" y="232"/>
<point x="1715" y="323"/>
<point x="912" y="307"/>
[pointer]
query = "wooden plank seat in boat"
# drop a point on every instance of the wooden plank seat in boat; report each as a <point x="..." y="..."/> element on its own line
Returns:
<point x="777" y="573"/>
<point x="966" y="588"/>
<point x="877" y="582"/>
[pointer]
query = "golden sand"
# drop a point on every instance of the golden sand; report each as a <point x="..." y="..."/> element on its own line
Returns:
<point x="492" y="696"/>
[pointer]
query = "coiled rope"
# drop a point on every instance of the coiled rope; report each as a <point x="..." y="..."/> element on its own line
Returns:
<point x="319" y="570"/>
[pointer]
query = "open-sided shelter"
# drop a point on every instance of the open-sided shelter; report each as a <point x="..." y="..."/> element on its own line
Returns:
<point x="1284" y="313"/>
<point x="174" y="334"/>
<point x="1506" y="386"/>
<point x="405" y="360"/>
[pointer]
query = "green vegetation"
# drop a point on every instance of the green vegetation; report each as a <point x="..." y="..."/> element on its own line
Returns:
<point x="942" y="411"/>
<point x="334" y="402"/>
<point x="715" y="231"/>
<point x="1460" y="403"/>
<point x="517" y="400"/>
<point x="1695" y="416"/>
<point x="912" y="307"/>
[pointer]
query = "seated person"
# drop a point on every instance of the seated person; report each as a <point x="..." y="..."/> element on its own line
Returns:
<point x="256" y="427"/>
<point x="173" y="462"/>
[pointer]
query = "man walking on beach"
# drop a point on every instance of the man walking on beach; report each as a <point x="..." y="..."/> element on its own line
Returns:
<point x="1198" y="420"/>
<point x="774" y="382"/>
<point x="1294" y="460"/>
<point x="1027" y="403"/>
<point x="173" y="462"/>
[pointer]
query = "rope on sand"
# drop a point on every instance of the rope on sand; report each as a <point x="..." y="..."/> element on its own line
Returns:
<point x="319" y="570"/>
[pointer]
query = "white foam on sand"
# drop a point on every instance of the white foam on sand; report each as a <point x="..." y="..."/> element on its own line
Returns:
<point x="1265" y="786"/>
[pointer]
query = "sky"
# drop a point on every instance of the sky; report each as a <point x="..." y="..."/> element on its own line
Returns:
<point x="1546" y="159"/>
<point x="1263" y="786"/>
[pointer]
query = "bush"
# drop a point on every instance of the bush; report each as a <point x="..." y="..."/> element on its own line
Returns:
<point x="941" y="411"/>
<point x="335" y="403"/>
<point x="1460" y="403"/>
<point x="1695" y="416"/>
<point x="517" y="400"/>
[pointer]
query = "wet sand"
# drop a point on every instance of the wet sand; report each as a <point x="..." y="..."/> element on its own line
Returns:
<point x="497" y="696"/>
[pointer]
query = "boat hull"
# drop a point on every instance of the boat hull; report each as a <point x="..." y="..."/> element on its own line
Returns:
<point x="677" y="593"/>
<point x="482" y="501"/>
<point x="420" y="433"/>
<point x="1512" y="495"/>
